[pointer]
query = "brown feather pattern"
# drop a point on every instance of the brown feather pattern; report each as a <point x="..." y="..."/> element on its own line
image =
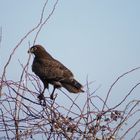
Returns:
<point x="51" y="71"/>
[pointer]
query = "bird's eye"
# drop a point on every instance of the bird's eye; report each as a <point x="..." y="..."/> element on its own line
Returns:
<point x="32" y="50"/>
<point x="35" y="48"/>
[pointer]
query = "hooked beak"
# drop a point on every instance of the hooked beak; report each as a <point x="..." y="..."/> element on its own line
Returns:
<point x="30" y="50"/>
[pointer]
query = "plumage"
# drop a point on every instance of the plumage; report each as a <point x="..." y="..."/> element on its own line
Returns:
<point x="51" y="71"/>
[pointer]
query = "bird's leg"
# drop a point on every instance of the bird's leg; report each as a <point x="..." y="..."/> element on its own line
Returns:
<point x="41" y="97"/>
<point x="52" y="94"/>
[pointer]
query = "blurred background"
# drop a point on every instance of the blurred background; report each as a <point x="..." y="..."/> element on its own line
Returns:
<point x="97" y="40"/>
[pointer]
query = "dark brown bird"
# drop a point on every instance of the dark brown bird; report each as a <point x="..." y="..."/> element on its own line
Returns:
<point x="51" y="71"/>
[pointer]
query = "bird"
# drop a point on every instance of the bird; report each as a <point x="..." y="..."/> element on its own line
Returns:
<point x="51" y="71"/>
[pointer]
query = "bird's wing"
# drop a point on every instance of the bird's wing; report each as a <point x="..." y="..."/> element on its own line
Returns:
<point x="52" y="70"/>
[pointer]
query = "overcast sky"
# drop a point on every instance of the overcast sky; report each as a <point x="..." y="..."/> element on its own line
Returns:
<point x="95" y="38"/>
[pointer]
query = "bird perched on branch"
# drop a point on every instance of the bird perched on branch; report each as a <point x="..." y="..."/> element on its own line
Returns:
<point x="51" y="71"/>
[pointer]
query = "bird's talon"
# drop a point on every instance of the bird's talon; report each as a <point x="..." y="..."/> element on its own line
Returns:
<point x="42" y="100"/>
<point x="43" y="103"/>
<point x="41" y="97"/>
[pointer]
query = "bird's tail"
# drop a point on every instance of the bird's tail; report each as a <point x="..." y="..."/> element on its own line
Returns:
<point x="74" y="86"/>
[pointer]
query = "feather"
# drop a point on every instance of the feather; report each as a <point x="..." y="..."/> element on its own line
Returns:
<point x="51" y="71"/>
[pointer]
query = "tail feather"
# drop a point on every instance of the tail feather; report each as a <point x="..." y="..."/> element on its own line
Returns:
<point x="74" y="86"/>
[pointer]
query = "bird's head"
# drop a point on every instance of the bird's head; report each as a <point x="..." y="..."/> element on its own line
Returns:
<point x="38" y="51"/>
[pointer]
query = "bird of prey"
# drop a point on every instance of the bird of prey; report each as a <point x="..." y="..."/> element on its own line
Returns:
<point x="51" y="71"/>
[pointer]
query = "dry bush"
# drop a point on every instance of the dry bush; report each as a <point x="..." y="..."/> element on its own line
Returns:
<point x="22" y="116"/>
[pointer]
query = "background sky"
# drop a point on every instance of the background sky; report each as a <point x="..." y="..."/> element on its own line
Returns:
<point x="98" y="39"/>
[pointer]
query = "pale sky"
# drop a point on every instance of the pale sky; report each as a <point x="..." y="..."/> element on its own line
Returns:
<point x="95" y="38"/>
